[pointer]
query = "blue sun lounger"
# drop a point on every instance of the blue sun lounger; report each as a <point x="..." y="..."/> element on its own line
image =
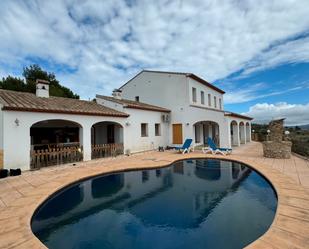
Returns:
<point x="185" y="147"/>
<point x="214" y="149"/>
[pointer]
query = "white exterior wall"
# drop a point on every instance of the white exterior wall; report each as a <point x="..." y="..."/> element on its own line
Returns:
<point x="164" y="90"/>
<point x="173" y="91"/>
<point x="134" y="141"/>
<point x="207" y="90"/>
<point x="16" y="139"/>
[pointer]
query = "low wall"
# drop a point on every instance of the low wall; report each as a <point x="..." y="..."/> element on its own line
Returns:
<point x="274" y="149"/>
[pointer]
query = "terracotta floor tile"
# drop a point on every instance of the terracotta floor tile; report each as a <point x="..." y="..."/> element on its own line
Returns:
<point x="297" y="226"/>
<point x="294" y="212"/>
<point x="21" y="195"/>
<point x="285" y="239"/>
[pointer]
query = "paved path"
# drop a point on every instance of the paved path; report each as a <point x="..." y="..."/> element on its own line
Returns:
<point x="21" y="195"/>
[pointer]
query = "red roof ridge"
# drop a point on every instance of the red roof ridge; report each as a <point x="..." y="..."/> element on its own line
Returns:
<point x="134" y="104"/>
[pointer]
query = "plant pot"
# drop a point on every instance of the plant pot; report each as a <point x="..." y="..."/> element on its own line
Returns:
<point x="4" y="173"/>
<point x="15" y="172"/>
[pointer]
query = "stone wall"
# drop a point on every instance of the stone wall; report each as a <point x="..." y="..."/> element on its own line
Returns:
<point x="276" y="130"/>
<point x="276" y="147"/>
<point x="280" y="149"/>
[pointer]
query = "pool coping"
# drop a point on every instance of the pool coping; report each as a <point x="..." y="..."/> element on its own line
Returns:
<point x="289" y="228"/>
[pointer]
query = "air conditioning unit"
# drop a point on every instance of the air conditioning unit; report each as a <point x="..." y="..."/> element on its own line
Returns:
<point x="166" y="118"/>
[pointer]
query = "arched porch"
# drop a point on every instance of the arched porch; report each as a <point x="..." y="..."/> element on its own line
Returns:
<point x="205" y="129"/>
<point x="248" y="132"/>
<point x="106" y="139"/>
<point x="55" y="141"/>
<point x="242" y="132"/>
<point x="234" y="133"/>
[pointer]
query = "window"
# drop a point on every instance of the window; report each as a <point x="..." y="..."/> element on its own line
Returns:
<point x="220" y="104"/>
<point x="215" y="101"/>
<point x="209" y="100"/>
<point x="157" y="130"/>
<point x="144" y="130"/>
<point x="193" y="94"/>
<point x="202" y="98"/>
<point x="137" y="98"/>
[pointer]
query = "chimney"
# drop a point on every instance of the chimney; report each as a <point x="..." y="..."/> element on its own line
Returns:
<point x="42" y="88"/>
<point x="117" y="94"/>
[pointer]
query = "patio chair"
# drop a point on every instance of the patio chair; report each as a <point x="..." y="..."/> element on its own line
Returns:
<point x="185" y="147"/>
<point x="214" y="149"/>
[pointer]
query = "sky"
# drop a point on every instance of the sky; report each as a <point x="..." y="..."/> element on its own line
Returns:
<point x="256" y="51"/>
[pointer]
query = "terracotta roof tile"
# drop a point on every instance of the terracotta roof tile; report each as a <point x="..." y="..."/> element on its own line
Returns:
<point x="134" y="104"/>
<point x="29" y="102"/>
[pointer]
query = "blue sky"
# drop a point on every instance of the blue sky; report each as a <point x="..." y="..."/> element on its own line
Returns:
<point x="257" y="51"/>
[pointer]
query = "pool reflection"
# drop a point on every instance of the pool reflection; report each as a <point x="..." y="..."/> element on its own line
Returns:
<point x="179" y="197"/>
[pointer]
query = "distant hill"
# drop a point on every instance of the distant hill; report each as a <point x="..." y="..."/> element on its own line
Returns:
<point x="304" y="127"/>
<point x="299" y="127"/>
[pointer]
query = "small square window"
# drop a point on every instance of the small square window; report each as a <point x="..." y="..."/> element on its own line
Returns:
<point x="137" y="98"/>
<point x="144" y="130"/>
<point x="157" y="130"/>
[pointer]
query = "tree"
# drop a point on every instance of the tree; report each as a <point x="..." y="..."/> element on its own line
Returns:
<point x="34" y="72"/>
<point x="13" y="83"/>
<point x="31" y="74"/>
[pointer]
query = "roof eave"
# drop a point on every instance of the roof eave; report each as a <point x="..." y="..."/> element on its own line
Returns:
<point x="238" y="116"/>
<point x="146" y="109"/>
<point x="195" y="77"/>
<point x="22" y="109"/>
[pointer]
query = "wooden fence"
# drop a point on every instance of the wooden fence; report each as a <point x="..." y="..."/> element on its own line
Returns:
<point x="106" y="150"/>
<point x="55" y="156"/>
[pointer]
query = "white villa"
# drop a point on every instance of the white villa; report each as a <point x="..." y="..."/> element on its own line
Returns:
<point x="152" y="109"/>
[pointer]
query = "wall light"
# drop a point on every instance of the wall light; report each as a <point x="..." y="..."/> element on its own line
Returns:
<point x="128" y="123"/>
<point x="16" y="122"/>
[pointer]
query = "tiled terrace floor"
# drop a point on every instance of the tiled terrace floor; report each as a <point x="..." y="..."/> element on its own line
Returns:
<point x="295" y="167"/>
<point x="19" y="196"/>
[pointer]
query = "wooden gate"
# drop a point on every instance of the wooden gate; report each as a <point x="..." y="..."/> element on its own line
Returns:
<point x="55" y="156"/>
<point x="106" y="150"/>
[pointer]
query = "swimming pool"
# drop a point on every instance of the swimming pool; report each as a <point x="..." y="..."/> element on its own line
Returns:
<point x="200" y="203"/>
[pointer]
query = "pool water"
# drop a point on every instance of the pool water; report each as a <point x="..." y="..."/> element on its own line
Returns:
<point x="199" y="203"/>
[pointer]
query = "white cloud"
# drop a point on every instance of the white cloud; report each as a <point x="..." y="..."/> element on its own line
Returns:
<point x="257" y="91"/>
<point x="295" y="114"/>
<point x="107" y="42"/>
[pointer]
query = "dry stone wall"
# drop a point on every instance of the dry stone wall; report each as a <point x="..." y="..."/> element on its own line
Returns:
<point x="277" y="147"/>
